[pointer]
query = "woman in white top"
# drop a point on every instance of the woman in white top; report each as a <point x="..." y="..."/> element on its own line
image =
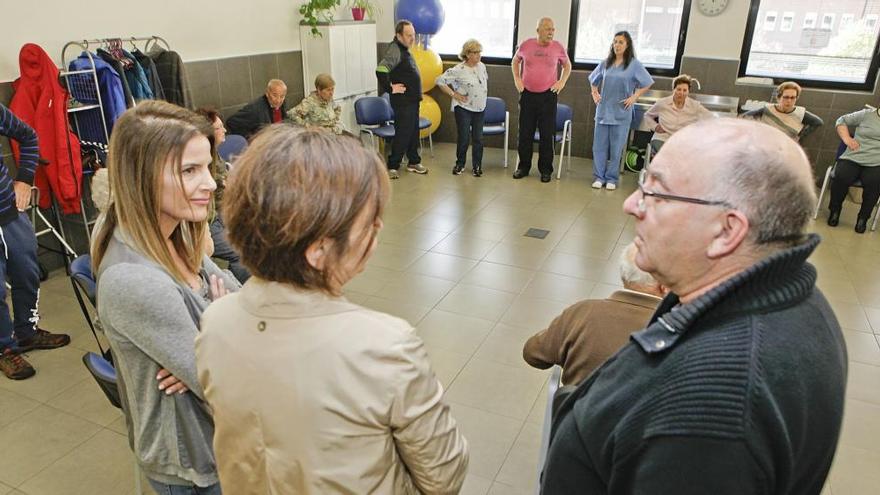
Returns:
<point x="468" y="85"/>
<point x="675" y="112"/>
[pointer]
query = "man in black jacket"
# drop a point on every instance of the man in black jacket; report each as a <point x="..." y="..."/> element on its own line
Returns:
<point x="267" y="109"/>
<point x="737" y="384"/>
<point x="398" y="74"/>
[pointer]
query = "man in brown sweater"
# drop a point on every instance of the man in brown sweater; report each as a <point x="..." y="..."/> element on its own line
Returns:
<point x="589" y="332"/>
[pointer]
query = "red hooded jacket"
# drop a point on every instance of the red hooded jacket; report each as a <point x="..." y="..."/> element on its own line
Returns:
<point x="41" y="102"/>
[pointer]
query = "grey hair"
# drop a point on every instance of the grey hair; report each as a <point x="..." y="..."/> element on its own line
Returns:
<point x="275" y="83"/>
<point x="760" y="178"/>
<point x="630" y="273"/>
<point x="470" y="45"/>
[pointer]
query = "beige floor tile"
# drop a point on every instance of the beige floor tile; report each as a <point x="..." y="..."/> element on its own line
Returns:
<point x="521" y="466"/>
<point x="562" y="288"/>
<point x="447" y="364"/>
<point x="97" y="466"/>
<point x="371" y="280"/>
<point x="861" y="425"/>
<point x="489" y="437"/>
<point x="479" y="302"/>
<point x="504" y="345"/>
<point x="442" y="266"/>
<point x="5" y="489"/>
<point x="355" y="297"/>
<point x="418" y="290"/>
<point x="850" y="316"/>
<point x="591" y="247"/>
<point x="87" y="401"/>
<point x="862" y="347"/>
<point x="40" y="438"/>
<point x="838" y="290"/>
<point x="539" y="408"/>
<point x="593" y="269"/>
<point x="410" y="312"/>
<point x="481" y="229"/>
<point x="855" y="471"/>
<point x="529" y="257"/>
<point x="863" y="383"/>
<point x="873" y="318"/>
<point x="499" y="488"/>
<point x="14" y="406"/>
<point x="532" y="313"/>
<point x="394" y="257"/>
<point x="453" y="332"/>
<point x="602" y="291"/>
<point x="118" y="425"/>
<point x="438" y="222"/>
<point x="466" y="247"/>
<point x="497" y="388"/>
<point x="473" y="485"/>
<point x="57" y="370"/>
<point x="411" y="237"/>
<point x="499" y="277"/>
<point x="596" y="226"/>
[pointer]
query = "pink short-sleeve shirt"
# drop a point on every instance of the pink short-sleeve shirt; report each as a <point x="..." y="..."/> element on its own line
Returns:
<point x="540" y="64"/>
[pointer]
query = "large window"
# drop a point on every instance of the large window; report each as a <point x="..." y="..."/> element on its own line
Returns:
<point x="491" y="22"/>
<point x="657" y="27"/>
<point x="818" y="52"/>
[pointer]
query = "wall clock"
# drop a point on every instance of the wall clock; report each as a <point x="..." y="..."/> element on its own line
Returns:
<point x="712" y="7"/>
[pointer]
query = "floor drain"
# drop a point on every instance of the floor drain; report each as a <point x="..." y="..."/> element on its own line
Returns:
<point x="537" y="233"/>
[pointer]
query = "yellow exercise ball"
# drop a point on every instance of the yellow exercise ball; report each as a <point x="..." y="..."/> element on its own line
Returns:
<point x="429" y="109"/>
<point x="429" y="64"/>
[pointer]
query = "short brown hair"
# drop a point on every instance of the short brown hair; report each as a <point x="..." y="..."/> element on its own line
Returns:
<point x="788" y="85"/>
<point x="324" y="81"/>
<point x="683" y="79"/>
<point x="209" y="113"/>
<point x="296" y="186"/>
<point x="398" y="28"/>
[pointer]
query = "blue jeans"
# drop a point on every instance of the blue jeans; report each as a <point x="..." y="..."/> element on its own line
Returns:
<point x="163" y="489"/>
<point x="18" y="262"/>
<point x="608" y="143"/>
<point x="470" y="128"/>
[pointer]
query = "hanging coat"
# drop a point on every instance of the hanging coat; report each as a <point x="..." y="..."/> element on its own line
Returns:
<point x="112" y="96"/>
<point x="152" y="75"/>
<point x="137" y="80"/>
<point x="117" y="66"/>
<point x="41" y="102"/>
<point x="173" y="75"/>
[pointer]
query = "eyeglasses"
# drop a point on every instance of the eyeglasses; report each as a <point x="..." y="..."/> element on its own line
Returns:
<point x="642" y="205"/>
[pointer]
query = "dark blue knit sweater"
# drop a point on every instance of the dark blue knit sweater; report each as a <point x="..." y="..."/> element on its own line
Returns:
<point x="13" y="128"/>
<point x="738" y="392"/>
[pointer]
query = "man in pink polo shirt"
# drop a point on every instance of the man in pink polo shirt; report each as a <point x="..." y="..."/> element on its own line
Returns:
<point x="535" y="69"/>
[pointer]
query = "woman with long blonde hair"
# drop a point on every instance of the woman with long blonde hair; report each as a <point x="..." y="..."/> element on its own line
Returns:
<point x="154" y="282"/>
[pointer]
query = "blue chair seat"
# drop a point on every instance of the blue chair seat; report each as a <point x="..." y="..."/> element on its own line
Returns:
<point x="105" y="375"/>
<point x="493" y="130"/>
<point x="232" y="147"/>
<point x="556" y="137"/>
<point x="424" y="123"/>
<point x="385" y="132"/>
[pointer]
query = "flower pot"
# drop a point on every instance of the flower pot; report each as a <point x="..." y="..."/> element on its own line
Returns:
<point x="357" y="13"/>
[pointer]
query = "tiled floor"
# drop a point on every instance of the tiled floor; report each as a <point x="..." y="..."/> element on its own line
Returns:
<point x="453" y="261"/>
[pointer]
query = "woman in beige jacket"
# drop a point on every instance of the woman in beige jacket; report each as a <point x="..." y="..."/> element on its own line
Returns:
<point x="311" y="393"/>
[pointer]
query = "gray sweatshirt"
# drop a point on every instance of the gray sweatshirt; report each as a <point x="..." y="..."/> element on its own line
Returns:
<point x="867" y="125"/>
<point x="151" y="322"/>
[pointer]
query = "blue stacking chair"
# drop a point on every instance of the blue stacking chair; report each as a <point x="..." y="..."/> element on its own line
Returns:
<point x="232" y="147"/>
<point x="829" y="174"/>
<point x="496" y="121"/>
<point x="373" y="115"/>
<point x="85" y="289"/>
<point x="424" y="123"/>
<point x="562" y="135"/>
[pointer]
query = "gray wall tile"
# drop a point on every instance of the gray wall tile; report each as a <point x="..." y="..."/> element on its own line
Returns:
<point x="235" y="81"/>
<point x="204" y="83"/>
<point x="263" y="68"/>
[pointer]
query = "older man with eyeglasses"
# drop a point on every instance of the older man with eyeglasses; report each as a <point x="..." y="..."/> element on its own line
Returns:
<point x="737" y="383"/>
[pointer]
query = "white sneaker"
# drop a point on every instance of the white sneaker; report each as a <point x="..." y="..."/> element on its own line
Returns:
<point x="417" y="168"/>
<point x="393" y="174"/>
<point x="597" y="184"/>
<point x="610" y="186"/>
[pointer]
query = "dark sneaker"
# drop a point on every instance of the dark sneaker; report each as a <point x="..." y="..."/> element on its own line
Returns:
<point x="43" y="340"/>
<point x="478" y="171"/>
<point x="14" y="366"/>
<point x="456" y="170"/>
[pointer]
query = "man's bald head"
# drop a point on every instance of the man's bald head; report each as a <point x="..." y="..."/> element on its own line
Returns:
<point x="276" y="92"/>
<point x="756" y="168"/>
<point x="546" y="29"/>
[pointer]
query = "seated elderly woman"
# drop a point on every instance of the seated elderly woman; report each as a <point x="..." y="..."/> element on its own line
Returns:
<point x="318" y="109"/>
<point x="860" y="161"/>
<point x="785" y="115"/>
<point x="673" y="113"/>
<point x="312" y="393"/>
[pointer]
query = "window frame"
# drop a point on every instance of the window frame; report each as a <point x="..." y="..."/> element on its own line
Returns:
<point x="453" y="57"/>
<point x="772" y="25"/>
<point x="654" y="71"/>
<point x="828" y="15"/>
<point x="809" y="15"/>
<point x="791" y="15"/>
<point x="751" y="25"/>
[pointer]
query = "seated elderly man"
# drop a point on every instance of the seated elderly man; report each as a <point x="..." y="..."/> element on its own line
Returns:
<point x="737" y="384"/>
<point x="318" y="108"/>
<point x="591" y="331"/>
<point x="268" y="109"/>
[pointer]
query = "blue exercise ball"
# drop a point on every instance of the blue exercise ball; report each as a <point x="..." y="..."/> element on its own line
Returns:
<point x="427" y="16"/>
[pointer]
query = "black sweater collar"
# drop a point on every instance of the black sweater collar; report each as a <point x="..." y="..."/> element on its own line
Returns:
<point x="780" y="279"/>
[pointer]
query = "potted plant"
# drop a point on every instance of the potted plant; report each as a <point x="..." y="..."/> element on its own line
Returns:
<point x="315" y="11"/>
<point x="361" y="7"/>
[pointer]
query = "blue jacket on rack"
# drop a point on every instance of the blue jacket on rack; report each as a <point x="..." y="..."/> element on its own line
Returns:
<point x="112" y="97"/>
<point x="137" y="80"/>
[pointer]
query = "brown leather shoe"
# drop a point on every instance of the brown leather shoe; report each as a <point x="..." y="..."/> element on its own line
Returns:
<point x="43" y="340"/>
<point x="14" y="366"/>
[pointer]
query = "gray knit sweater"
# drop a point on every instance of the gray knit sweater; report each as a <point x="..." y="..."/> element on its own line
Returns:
<point x="151" y="322"/>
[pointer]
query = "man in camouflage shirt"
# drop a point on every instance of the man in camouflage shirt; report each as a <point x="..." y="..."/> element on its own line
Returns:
<point x="318" y="108"/>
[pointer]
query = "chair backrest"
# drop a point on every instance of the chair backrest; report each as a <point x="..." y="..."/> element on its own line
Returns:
<point x="387" y="97"/>
<point x="105" y="374"/>
<point x="563" y="113"/>
<point x="372" y="110"/>
<point x="232" y="147"/>
<point x="495" y="110"/>
<point x="81" y="272"/>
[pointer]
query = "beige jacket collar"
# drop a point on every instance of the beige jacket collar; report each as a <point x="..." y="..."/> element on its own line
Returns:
<point x="276" y="300"/>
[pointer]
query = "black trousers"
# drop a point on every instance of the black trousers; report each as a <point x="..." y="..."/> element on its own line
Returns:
<point x="846" y="173"/>
<point x="406" y="134"/>
<point x="470" y="128"/>
<point x="537" y="110"/>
